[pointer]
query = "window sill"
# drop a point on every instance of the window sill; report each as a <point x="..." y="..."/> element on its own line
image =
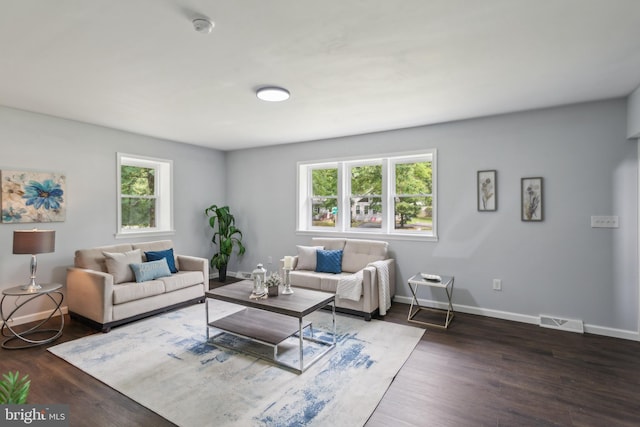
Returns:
<point x="143" y="233"/>
<point x="367" y="235"/>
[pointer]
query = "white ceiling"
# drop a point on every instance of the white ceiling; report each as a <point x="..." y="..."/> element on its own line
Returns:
<point x="352" y="66"/>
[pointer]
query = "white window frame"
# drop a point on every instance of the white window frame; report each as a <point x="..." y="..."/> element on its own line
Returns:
<point x="343" y="221"/>
<point x="164" y="195"/>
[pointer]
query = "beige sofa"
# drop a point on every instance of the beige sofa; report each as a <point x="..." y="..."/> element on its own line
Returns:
<point x="95" y="296"/>
<point x="357" y="255"/>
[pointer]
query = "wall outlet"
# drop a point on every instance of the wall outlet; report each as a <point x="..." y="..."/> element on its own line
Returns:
<point x="497" y="284"/>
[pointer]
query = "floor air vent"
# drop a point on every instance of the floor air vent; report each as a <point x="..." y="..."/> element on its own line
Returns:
<point x="571" y="325"/>
<point x="243" y="275"/>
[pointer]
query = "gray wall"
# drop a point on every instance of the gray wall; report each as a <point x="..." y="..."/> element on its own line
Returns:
<point x="87" y="155"/>
<point x="561" y="267"/>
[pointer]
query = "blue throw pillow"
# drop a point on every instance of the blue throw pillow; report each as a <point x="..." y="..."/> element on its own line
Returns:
<point x="151" y="270"/>
<point x="328" y="261"/>
<point x="167" y="254"/>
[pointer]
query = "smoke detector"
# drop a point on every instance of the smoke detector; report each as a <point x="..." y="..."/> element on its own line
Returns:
<point x="202" y="25"/>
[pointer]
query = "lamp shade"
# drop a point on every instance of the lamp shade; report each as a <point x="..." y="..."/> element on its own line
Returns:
<point x="34" y="241"/>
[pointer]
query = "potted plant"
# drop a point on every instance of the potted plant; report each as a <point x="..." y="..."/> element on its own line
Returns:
<point x="14" y="389"/>
<point x="272" y="284"/>
<point x="226" y="235"/>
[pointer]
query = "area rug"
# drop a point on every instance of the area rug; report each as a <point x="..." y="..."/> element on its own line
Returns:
<point x="165" y="364"/>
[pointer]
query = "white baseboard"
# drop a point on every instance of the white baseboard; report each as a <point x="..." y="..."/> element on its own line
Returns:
<point x="33" y="317"/>
<point x="523" y="318"/>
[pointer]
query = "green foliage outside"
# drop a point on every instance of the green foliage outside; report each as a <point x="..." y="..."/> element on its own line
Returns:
<point x="413" y="182"/>
<point x="14" y="389"/>
<point x="413" y="202"/>
<point x="138" y="204"/>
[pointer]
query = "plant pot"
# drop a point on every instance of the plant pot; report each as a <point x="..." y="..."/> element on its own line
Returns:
<point x="222" y="273"/>
<point x="273" y="291"/>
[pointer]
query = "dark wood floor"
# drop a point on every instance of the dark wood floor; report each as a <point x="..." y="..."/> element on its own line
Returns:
<point x="480" y="372"/>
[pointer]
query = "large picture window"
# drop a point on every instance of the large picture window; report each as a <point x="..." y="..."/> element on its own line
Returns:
<point x="144" y="195"/>
<point x="392" y="195"/>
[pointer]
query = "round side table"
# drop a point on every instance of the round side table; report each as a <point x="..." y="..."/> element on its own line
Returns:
<point x="21" y="339"/>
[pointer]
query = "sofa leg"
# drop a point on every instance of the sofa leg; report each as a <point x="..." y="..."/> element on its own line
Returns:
<point x="106" y="329"/>
<point x="367" y="317"/>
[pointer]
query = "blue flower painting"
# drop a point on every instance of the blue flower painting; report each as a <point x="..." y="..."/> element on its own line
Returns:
<point x="33" y="196"/>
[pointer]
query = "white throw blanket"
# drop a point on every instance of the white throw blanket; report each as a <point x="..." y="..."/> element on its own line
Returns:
<point x="350" y="287"/>
<point x="384" y="293"/>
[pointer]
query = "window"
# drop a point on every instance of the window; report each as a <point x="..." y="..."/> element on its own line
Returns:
<point x="392" y="195"/>
<point x="324" y="196"/>
<point x="144" y="195"/>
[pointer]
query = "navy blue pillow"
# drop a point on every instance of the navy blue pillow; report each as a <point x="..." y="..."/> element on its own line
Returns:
<point x="166" y="254"/>
<point x="328" y="261"/>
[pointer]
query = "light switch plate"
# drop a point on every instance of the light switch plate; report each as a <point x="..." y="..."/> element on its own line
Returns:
<point x="604" y="222"/>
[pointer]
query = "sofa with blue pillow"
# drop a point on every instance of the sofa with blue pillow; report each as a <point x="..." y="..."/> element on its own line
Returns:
<point x="112" y="285"/>
<point x="327" y="263"/>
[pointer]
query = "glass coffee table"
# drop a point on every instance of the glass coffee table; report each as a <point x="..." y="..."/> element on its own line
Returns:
<point x="275" y="323"/>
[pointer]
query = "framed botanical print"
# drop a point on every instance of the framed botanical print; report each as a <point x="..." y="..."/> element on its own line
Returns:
<point x="487" y="191"/>
<point x="531" y="199"/>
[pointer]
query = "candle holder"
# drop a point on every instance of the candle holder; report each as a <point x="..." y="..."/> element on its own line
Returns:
<point x="287" y="282"/>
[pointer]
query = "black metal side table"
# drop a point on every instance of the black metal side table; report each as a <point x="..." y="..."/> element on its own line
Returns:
<point x="16" y="339"/>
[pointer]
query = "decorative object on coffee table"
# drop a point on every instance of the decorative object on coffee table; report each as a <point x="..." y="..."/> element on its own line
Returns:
<point x="287" y="281"/>
<point x="272" y="284"/>
<point x="258" y="275"/>
<point x="227" y="236"/>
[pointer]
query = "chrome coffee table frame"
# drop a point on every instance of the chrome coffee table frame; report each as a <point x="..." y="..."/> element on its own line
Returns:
<point x="270" y="322"/>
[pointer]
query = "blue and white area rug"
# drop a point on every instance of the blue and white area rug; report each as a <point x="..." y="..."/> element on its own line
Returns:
<point x="164" y="363"/>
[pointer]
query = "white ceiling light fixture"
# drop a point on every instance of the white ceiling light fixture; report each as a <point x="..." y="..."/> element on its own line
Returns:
<point x="202" y="25"/>
<point x="273" y="94"/>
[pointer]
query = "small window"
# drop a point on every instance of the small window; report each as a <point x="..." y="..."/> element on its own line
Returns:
<point x="144" y="195"/>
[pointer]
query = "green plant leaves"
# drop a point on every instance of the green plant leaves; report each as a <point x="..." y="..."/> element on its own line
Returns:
<point x="13" y="389"/>
<point x="226" y="236"/>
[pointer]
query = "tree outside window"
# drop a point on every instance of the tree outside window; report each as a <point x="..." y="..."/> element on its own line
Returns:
<point x="413" y="200"/>
<point x="138" y="197"/>
<point x="324" y="197"/>
<point x="144" y="195"/>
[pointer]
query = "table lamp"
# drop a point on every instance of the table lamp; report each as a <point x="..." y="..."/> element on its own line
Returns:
<point x="33" y="242"/>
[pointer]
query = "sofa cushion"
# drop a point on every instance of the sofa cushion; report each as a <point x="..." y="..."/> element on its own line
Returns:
<point x="118" y="264"/>
<point x="166" y="254"/>
<point x="93" y="259"/>
<point x="329" y="261"/>
<point x="330" y="243"/>
<point x="359" y="253"/>
<point x="132" y="291"/>
<point x="151" y="270"/>
<point x="159" y="245"/>
<point x="306" y="279"/>
<point x="327" y="282"/>
<point x="182" y="279"/>
<point x="307" y="257"/>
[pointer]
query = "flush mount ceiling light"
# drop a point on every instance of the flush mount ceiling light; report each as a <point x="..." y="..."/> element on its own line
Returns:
<point x="273" y="94"/>
<point x="202" y="25"/>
